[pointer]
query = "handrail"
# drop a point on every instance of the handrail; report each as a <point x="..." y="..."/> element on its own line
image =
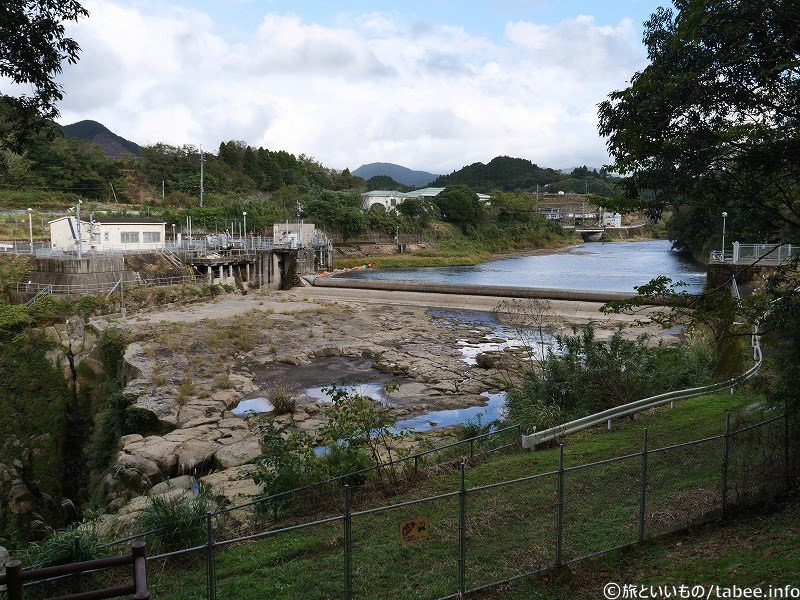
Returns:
<point x="547" y="435"/>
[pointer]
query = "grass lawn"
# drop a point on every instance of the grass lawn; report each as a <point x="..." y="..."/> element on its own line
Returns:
<point x="511" y="529"/>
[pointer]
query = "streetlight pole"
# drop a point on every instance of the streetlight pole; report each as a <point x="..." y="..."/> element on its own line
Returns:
<point x="30" y="227"/>
<point x="202" y="160"/>
<point x="724" y="216"/>
<point x="173" y="236"/>
<point x="244" y="225"/>
<point x="80" y="233"/>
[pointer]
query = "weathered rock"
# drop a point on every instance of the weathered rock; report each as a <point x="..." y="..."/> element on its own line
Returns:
<point x="140" y="464"/>
<point x="235" y="455"/>
<point x="130" y="439"/>
<point x="183" y="482"/>
<point x="4" y="557"/>
<point x="158" y="450"/>
<point x="195" y="456"/>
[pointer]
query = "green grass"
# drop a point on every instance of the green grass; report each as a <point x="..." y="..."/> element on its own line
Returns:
<point x="510" y="529"/>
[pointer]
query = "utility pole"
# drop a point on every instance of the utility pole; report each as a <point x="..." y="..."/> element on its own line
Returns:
<point x="202" y="160"/>
<point x="80" y="233"/>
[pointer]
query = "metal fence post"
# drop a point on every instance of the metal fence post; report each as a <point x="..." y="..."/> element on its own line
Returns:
<point x="786" y="458"/>
<point x="643" y="492"/>
<point x="210" y="566"/>
<point x="462" y="532"/>
<point x="560" y="504"/>
<point x="726" y="451"/>
<point x="348" y="548"/>
<point x="77" y="550"/>
<point x="472" y="447"/>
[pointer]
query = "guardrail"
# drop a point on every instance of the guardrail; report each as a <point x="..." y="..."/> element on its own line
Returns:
<point x="769" y="254"/>
<point x="607" y="416"/>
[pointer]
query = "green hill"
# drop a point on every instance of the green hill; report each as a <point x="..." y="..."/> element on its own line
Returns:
<point x="99" y="135"/>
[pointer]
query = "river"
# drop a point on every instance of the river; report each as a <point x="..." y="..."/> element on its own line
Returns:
<point x="596" y="266"/>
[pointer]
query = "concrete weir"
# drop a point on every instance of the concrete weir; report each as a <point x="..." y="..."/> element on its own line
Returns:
<point x="472" y="290"/>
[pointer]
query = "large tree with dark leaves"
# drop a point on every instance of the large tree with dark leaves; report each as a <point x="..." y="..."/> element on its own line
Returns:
<point x="713" y="123"/>
<point x="33" y="47"/>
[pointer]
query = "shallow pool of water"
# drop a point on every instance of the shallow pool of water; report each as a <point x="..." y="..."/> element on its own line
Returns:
<point x="436" y="419"/>
<point x="376" y="391"/>
<point x="252" y="405"/>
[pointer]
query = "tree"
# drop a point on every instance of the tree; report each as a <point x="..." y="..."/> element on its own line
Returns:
<point x="713" y="123"/>
<point x="32" y="49"/>
<point x="460" y="205"/>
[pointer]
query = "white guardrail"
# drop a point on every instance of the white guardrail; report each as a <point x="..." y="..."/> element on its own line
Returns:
<point x="606" y="416"/>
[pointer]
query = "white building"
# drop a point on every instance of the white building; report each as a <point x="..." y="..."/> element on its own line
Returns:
<point x="107" y="234"/>
<point x="387" y="198"/>
<point x="295" y="234"/>
<point x="612" y="219"/>
<point x="391" y="199"/>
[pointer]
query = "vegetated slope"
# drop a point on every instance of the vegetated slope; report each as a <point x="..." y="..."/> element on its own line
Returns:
<point x="399" y="173"/>
<point x="502" y="172"/>
<point x="99" y="135"/>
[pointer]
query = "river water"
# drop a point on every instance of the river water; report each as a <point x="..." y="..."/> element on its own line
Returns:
<point x="595" y="266"/>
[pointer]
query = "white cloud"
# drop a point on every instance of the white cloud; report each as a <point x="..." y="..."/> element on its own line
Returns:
<point x="375" y="87"/>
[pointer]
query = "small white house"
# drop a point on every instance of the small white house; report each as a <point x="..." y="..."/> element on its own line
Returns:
<point x="107" y="234"/>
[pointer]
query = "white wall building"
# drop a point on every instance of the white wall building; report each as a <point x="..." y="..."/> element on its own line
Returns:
<point x="387" y="198"/>
<point x="107" y="234"/>
<point x="294" y="234"/>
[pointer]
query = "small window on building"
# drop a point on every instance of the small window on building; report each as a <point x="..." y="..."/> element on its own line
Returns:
<point x="129" y="237"/>
<point x="106" y="236"/>
<point x="394" y="202"/>
<point x="151" y="237"/>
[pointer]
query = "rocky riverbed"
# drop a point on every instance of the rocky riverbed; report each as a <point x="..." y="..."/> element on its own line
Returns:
<point x="189" y="367"/>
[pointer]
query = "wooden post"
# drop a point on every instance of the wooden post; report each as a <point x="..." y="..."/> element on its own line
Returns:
<point x="139" y="551"/>
<point x="14" y="576"/>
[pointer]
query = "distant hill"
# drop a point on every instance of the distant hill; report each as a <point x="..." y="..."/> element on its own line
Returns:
<point x="399" y="173"/>
<point x="384" y="182"/>
<point x="101" y="136"/>
<point x="502" y="172"/>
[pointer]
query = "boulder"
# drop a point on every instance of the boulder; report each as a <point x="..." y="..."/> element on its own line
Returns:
<point x="158" y="450"/>
<point x="4" y="556"/>
<point x="238" y="454"/>
<point x="195" y="456"/>
<point x="183" y="482"/>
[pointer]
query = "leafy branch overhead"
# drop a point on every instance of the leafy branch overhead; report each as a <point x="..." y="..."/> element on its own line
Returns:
<point x="33" y="48"/>
<point x="713" y="122"/>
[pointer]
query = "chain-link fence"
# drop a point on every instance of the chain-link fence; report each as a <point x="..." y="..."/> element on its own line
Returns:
<point x="468" y="538"/>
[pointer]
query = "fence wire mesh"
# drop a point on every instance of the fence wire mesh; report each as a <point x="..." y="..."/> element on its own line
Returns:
<point x="757" y="465"/>
<point x="526" y="511"/>
<point x="600" y="507"/>
<point x="419" y="569"/>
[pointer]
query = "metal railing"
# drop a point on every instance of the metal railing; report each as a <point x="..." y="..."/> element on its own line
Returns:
<point x="607" y="416"/>
<point x="101" y="288"/>
<point x="768" y="254"/>
<point x="480" y="536"/>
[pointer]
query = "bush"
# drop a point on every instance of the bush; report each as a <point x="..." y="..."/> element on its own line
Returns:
<point x="474" y="427"/>
<point x="177" y="524"/>
<point x="282" y="400"/>
<point x="76" y="543"/>
<point x="485" y="360"/>
<point x="583" y="375"/>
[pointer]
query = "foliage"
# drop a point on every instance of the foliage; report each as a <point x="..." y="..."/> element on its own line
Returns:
<point x="460" y="205"/>
<point x="32" y="49"/>
<point x="714" y="313"/>
<point x="473" y="428"/>
<point x="13" y="319"/>
<point x="584" y="375"/>
<point x="357" y="421"/>
<point x="177" y="523"/>
<point x="502" y="172"/>
<point x="283" y="400"/>
<point x="76" y="543"/>
<point x="712" y="123"/>
<point x="287" y="462"/>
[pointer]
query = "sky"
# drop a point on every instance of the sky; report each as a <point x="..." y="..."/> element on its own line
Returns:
<point x="432" y="85"/>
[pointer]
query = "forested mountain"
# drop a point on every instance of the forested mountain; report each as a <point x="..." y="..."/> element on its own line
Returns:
<point x="397" y="172"/>
<point x="99" y="135"/>
<point x="384" y="182"/>
<point x="501" y="173"/>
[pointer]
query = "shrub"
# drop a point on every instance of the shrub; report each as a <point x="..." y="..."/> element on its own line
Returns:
<point x="474" y="427"/>
<point x="77" y="542"/>
<point x="177" y="523"/>
<point x="485" y="360"/>
<point x="283" y="400"/>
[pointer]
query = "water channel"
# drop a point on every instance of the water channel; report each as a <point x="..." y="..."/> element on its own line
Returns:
<point x="596" y="266"/>
<point x="615" y="266"/>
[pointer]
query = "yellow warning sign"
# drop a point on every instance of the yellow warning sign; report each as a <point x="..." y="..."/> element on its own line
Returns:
<point x="413" y="530"/>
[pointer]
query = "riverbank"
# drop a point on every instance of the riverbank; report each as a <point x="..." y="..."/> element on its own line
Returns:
<point x="190" y="366"/>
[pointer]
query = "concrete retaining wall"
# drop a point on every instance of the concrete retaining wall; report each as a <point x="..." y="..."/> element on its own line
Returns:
<point x="471" y="290"/>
